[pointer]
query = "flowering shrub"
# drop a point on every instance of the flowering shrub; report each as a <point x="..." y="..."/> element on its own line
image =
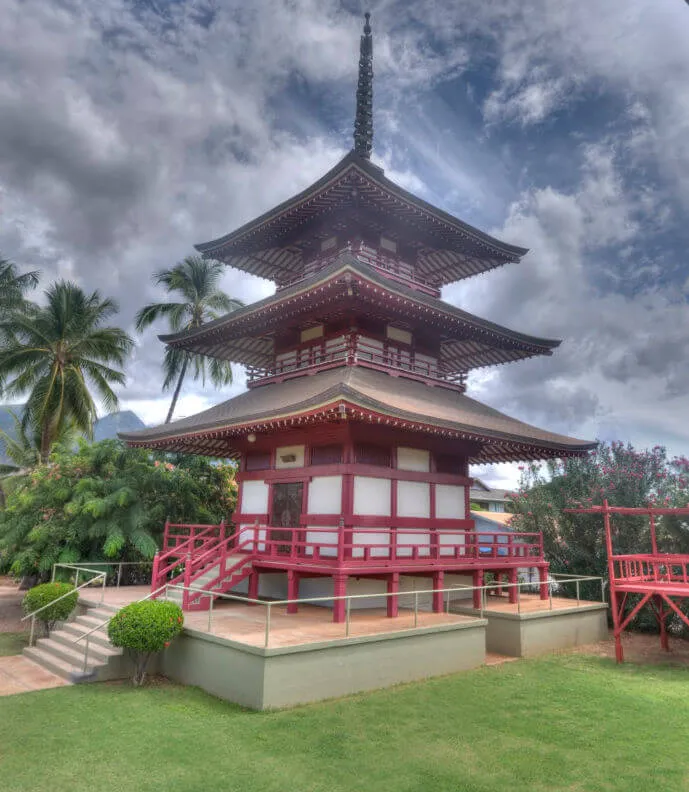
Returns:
<point x="145" y="628"/>
<point x="40" y="596"/>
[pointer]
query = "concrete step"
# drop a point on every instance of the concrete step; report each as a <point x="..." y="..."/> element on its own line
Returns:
<point x="72" y="656"/>
<point x="100" y="651"/>
<point x="56" y="665"/>
<point x="88" y="622"/>
<point x="74" y="630"/>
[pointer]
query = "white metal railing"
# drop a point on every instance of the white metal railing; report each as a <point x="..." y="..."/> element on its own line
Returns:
<point x="85" y="566"/>
<point x="76" y="588"/>
<point x="88" y="634"/>
<point x="558" y="580"/>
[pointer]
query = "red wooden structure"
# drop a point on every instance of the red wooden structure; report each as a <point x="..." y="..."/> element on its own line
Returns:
<point x="355" y="436"/>
<point x="661" y="579"/>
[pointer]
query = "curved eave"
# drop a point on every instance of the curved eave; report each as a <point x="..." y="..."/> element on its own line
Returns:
<point x="278" y="263"/>
<point x="214" y="338"/>
<point x="365" y="397"/>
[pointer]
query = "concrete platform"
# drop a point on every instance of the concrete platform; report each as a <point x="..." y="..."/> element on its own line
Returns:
<point x="538" y="626"/>
<point x="18" y="674"/>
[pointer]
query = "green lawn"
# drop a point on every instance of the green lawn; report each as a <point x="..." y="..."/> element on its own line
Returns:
<point x="12" y="643"/>
<point x="561" y="723"/>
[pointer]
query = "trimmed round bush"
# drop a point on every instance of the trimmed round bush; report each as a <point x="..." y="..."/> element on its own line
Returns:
<point x="42" y="595"/>
<point x="145" y="628"/>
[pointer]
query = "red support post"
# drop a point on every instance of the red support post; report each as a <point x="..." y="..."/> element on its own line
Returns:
<point x="513" y="579"/>
<point x="478" y="594"/>
<point x="166" y="535"/>
<point x="339" y="590"/>
<point x="154" y="572"/>
<point x="254" y="580"/>
<point x="652" y="526"/>
<point x="187" y="583"/>
<point x="438" y="580"/>
<point x="222" y="530"/>
<point x="393" y="589"/>
<point x="292" y="590"/>
<point x="543" y="578"/>
<point x="662" y="617"/>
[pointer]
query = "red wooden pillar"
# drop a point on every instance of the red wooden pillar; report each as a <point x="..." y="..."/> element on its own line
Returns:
<point x="339" y="590"/>
<point x="513" y="578"/>
<point x="662" y="617"/>
<point x="154" y="573"/>
<point x="253" y="585"/>
<point x="619" y="653"/>
<point x="438" y="580"/>
<point x="543" y="578"/>
<point x="478" y="594"/>
<point x="393" y="601"/>
<point x="292" y="590"/>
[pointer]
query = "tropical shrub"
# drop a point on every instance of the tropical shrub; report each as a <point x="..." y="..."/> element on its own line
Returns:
<point x="105" y="501"/>
<point x="145" y="628"/>
<point x="40" y="596"/>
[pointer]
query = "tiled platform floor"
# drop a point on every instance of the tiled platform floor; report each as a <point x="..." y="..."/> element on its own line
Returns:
<point x="532" y="603"/>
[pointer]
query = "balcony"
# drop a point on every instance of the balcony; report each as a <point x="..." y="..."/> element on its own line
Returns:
<point x="354" y="350"/>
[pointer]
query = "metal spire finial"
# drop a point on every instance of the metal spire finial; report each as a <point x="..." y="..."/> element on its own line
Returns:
<point x="363" y="122"/>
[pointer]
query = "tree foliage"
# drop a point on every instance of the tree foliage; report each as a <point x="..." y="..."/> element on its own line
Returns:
<point x="57" y="354"/>
<point x="575" y="543"/>
<point x="194" y="282"/>
<point x="63" y="596"/>
<point x="107" y="502"/>
<point x="145" y="628"/>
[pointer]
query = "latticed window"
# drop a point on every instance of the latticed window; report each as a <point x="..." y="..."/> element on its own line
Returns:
<point x="368" y="454"/>
<point x="326" y="455"/>
<point x="258" y="461"/>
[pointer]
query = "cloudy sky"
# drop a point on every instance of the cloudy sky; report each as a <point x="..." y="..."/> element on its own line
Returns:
<point x="131" y="130"/>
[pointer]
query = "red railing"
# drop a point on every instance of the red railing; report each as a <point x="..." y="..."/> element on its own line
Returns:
<point x="181" y="542"/>
<point x="355" y="350"/>
<point x="374" y="545"/>
<point x="649" y="568"/>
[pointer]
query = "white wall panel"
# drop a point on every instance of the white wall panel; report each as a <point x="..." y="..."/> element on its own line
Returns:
<point x="283" y="456"/>
<point x="407" y="541"/>
<point x="323" y="536"/>
<point x="413" y="499"/>
<point x="449" y="501"/>
<point x="371" y="496"/>
<point x="255" y="538"/>
<point x="254" y="497"/>
<point x="448" y="540"/>
<point x="379" y="541"/>
<point x="413" y="459"/>
<point x="325" y="495"/>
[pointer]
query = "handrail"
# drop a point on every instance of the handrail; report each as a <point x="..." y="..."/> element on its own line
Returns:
<point x="88" y="634"/>
<point x="33" y="614"/>
<point x="348" y="598"/>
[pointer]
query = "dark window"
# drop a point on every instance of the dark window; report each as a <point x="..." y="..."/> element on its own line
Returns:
<point x="326" y="455"/>
<point x="444" y="463"/>
<point x="367" y="454"/>
<point x="258" y="461"/>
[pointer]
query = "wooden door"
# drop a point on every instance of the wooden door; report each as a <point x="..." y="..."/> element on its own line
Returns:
<point x="285" y="513"/>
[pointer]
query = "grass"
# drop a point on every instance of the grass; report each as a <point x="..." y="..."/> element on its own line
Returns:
<point x="12" y="643"/>
<point x="562" y="723"/>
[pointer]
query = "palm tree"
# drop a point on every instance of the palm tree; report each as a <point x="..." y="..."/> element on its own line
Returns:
<point x="195" y="280"/>
<point x="56" y="354"/>
<point x="13" y="285"/>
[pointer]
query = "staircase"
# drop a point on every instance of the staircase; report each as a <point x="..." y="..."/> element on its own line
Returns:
<point x="62" y="656"/>
<point x="237" y="568"/>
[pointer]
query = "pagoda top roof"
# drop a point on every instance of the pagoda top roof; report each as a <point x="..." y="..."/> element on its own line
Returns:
<point x="272" y="245"/>
<point x="360" y="395"/>
<point x="470" y="341"/>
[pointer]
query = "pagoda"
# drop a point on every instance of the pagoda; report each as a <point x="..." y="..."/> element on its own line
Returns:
<point x="355" y="435"/>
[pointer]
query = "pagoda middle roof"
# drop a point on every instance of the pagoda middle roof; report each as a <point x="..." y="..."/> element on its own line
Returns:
<point x="361" y="395"/>
<point x="447" y="248"/>
<point x="243" y="336"/>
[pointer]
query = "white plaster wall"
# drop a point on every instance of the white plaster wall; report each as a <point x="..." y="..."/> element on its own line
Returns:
<point x="256" y="538"/>
<point x="371" y="496"/>
<point x="413" y="459"/>
<point x="449" y="501"/>
<point x="372" y="349"/>
<point x="325" y="495"/>
<point x="254" y="497"/>
<point x="413" y="499"/>
<point x="380" y="540"/>
<point x="420" y="540"/>
<point x="297" y="451"/>
<point x="448" y="540"/>
<point x="333" y="344"/>
<point x="326" y="535"/>
<point x="287" y="361"/>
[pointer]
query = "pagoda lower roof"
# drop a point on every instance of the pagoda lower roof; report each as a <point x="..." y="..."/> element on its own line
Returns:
<point x="272" y="245"/>
<point x="359" y="395"/>
<point x="468" y="341"/>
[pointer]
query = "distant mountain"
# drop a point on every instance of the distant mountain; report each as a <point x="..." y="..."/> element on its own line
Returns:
<point x="105" y="428"/>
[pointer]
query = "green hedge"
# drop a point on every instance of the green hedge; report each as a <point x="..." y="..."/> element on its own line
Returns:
<point x="42" y="595"/>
